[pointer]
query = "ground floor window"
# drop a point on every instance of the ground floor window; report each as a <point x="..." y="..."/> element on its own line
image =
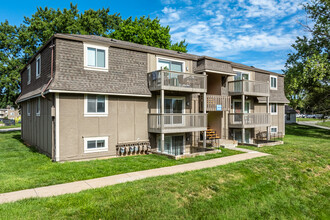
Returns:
<point x="95" y="144"/>
<point x="173" y="144"/>
<point x="273" y="129"/>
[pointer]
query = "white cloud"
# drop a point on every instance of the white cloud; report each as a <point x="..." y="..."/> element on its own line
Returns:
<point x="227" y="28"/>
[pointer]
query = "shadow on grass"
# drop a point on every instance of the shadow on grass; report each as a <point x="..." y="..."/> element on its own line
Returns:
<point x="307" y="131"/>
<point x="31" y="148"/>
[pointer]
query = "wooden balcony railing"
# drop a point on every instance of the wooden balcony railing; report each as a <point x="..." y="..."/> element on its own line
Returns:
<point x="173" y="123"/>
<point x="214" y="101"/>
<point x="248" y="87"/>
<point x="248" y="120"/>
<point x="176" y="81"/>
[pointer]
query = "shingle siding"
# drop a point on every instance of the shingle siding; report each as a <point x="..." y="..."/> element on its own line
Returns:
<point x="127" y="73"/>
<point x="44" y="78"/>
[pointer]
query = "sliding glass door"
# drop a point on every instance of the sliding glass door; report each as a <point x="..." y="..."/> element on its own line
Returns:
<point x="173" y="106"/>
<point x="173" y="144"/>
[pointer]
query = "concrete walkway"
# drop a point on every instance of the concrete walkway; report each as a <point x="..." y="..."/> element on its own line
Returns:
<point x="313" y="124"/>
<point x="78" y="186"/>
<point x="9" y="129"/>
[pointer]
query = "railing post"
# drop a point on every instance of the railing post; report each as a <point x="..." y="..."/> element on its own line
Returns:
<point x="162" y="119"/>
<point x="243" y="118"/>
<point x="268" y="118"/>
<point x="204" y="108"/>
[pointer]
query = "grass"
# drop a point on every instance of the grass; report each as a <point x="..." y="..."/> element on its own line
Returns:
<point x="308" y="119"/>
<point x="293" y="183"/>
<point x="11" y="126"/>
<point x="325" y="124"/>
<point x="23" y="168"/>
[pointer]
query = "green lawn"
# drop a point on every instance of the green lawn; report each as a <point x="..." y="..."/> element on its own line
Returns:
<point x="291" y="184"/>
<point x="12" y="126"/>
<point x="325" y="124"/>
<point x="22" y="167"/>
<point x="308" y="119"/>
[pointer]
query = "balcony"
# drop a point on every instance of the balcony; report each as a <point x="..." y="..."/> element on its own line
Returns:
<point x="176" y="81"/>
<point x="213" y="103"/>
<point x="249" y="120"/>
<point x="175" y="123"/>
<point x="248" y="87"/>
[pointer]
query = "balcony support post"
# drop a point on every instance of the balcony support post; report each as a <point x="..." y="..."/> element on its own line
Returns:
<point x="204" y="109"/>
<point x="162" y="119"/>
<point x="267" y="107"/>
<point x="243" y="118"/>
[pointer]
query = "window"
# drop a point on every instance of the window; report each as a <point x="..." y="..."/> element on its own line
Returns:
<point x="273" y="129"/>
<point x="28" y="108"/>
<point x="273" y="82"/>
<point x="273" y="109"/>
<point x="177" y="66"/>
<point x="241" y="75"/>
<point x="96" y="105"/>
<point x="96" y="57"/>
<point x="288" y="117"/>
<point x="38" y="66"/>
<point x="38" y="107"/>
<point x="29" y="74"/>
<point x="95" y="144"/>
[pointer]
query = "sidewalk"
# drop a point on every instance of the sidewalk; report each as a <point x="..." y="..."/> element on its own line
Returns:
<point x="9" y="129"/>
<point x="312" y="124"/>
<point x="78" y="186"/>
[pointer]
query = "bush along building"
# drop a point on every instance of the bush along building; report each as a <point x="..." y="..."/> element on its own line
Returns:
<point x="88" y="97"/>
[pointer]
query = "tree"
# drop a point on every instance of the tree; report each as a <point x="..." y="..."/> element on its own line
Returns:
<point x="308" y="68"/>
<point x="147" y="32"/>
<point x="18" y="44"/>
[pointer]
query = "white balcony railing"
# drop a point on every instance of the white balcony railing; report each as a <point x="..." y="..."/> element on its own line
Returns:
<point x="248" y="87"/>
<point x="245" y="120"/>
<point x="176" y="81"/>
<point x="172" y="123"/>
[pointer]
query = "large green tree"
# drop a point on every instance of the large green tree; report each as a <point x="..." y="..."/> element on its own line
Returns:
<point x="307" y="70"/>
<point x="18" y="44"/>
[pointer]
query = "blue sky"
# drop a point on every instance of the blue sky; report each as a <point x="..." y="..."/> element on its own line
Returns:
<point x="252" y="32"/>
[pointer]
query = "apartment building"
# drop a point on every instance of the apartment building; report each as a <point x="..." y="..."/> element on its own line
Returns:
<point x="9" y="113"/>
<point x="88" y="96"/>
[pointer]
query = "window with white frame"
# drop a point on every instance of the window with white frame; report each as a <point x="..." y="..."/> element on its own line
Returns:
<point x="28" y="108"/>
<point x="273" y="109"/>
<point x="273" y="82"/>
<point x="96" y="105"/>
<point x="273" y="129"/>
<point x="38" y="66"/>
<point x="173" y="65"/>
<point x="29" y="74"/>
<point x="95" y="144"/>
<point x="96" y="57"/>
<point x="38" y="107"/>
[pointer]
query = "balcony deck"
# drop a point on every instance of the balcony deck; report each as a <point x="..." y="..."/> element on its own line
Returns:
<point x="176" y="81"/>
<point x="248" y="87"/>
<point x="212" y="101"/>
<point x="249" y="120"/>
<point x="176" y="123"/>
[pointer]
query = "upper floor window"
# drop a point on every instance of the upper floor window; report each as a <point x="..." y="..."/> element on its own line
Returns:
<point x="96" y="105"/>
<point x="273" y="109"/>
<point x="173" y="65"/>
<point x="28" y="108"/>
<point x="38" y="107"/>
<point x="96" y="57"/>
<point x="273" y="82"/>
<point x="29" y="74"/>
<point x="38" y="66"/>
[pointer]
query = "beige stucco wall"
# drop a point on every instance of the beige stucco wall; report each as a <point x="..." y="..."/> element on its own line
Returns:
<point x="126" y="121"/>
<point x="37" y="130"/>
<point x="279" y="120"/>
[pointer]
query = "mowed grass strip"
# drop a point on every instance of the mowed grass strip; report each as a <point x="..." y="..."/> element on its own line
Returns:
<point x="293" y="183"/>
<point x="325" y="124"/>
<point x="22" y="167"/>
